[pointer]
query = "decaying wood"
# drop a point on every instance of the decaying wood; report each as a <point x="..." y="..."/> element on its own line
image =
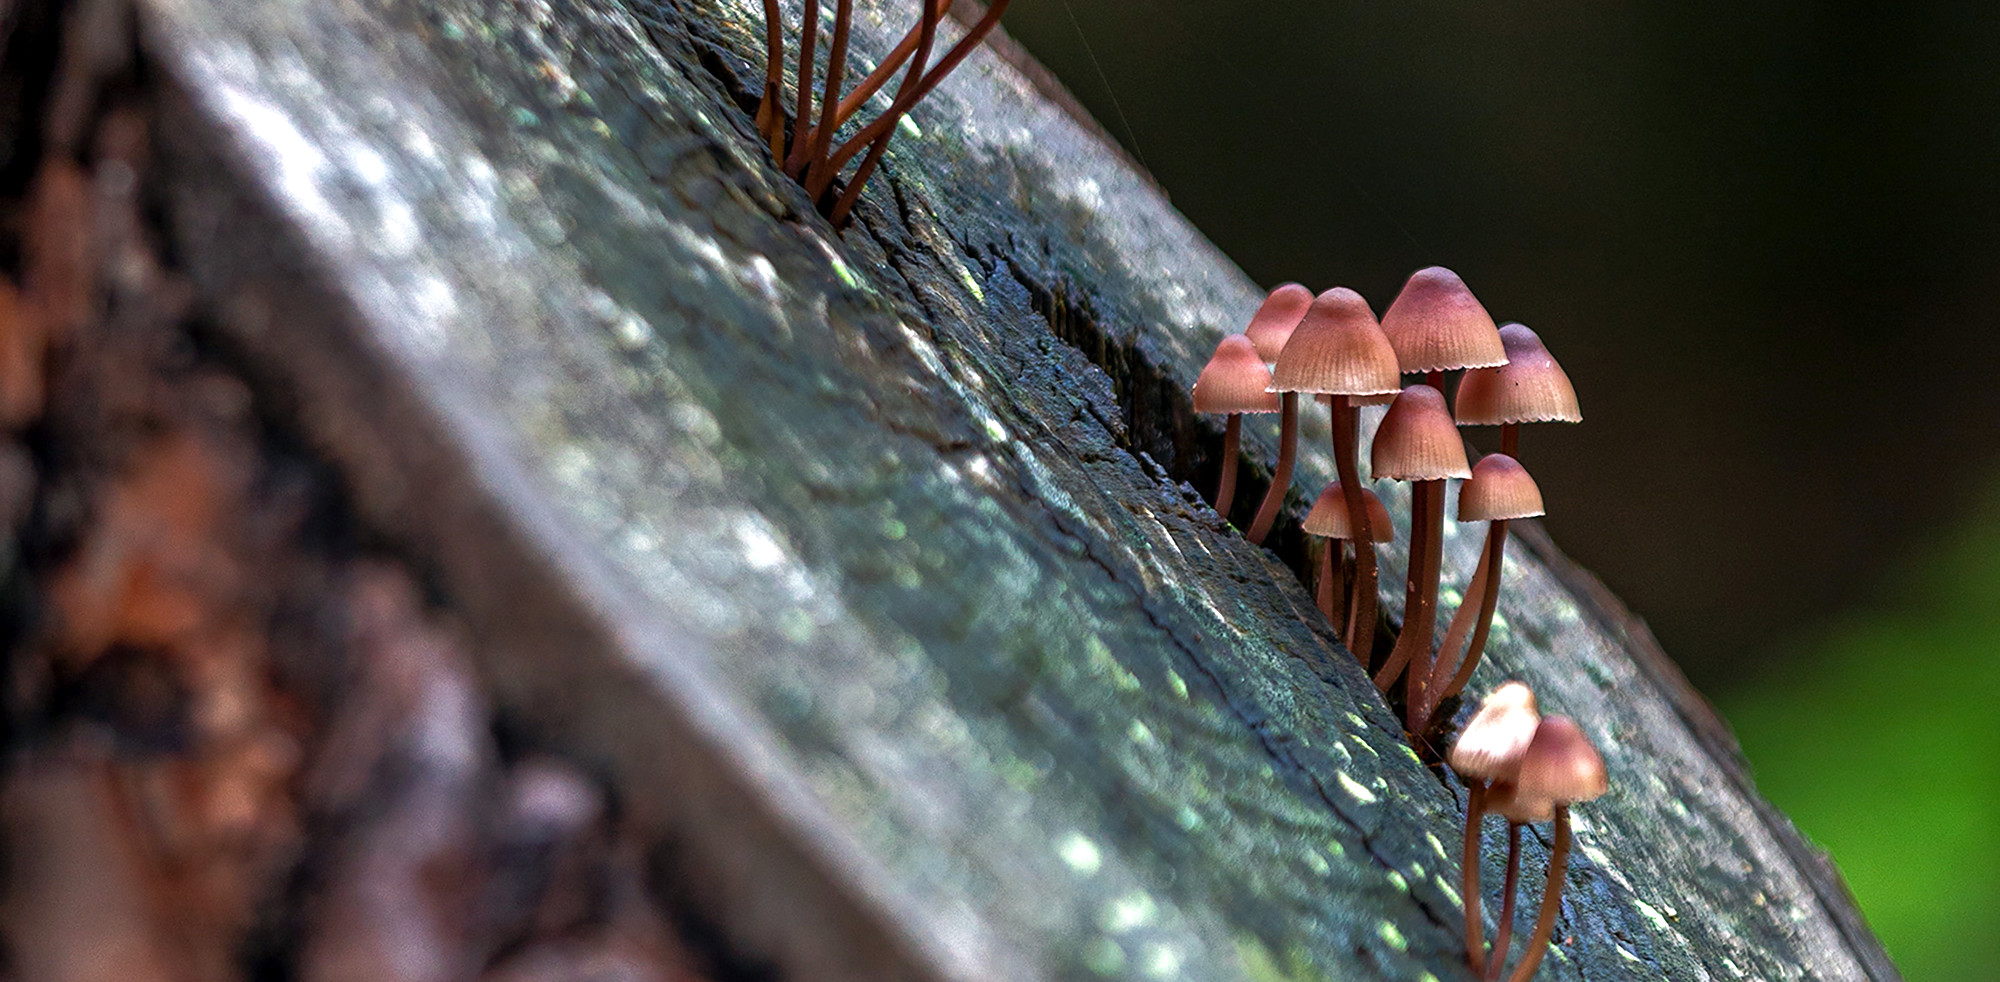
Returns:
<point x="869" y="563"/>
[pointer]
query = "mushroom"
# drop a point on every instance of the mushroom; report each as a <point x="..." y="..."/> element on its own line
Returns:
<point x="1489" y="750"/>
<point x="1559" y="769"/>
<point x="1339" y="350"/>
<point x="1530" y="388"/>
<point x="1500" y="490"/>
<point x="1277" y="318"/>
<point x="1328" y="520"/>
<point x="1418" y="443"/>
<point x="1436" y="325"/>
<point x="1270" y="328"/>
<point x="1234" y="381"/>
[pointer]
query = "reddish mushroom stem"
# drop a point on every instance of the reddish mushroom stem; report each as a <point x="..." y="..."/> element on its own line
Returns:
<point x="795" y="164"/>
<point x="1413" y="645"/>
<point x="1475" y="933"/>
<point x="1281" y="481"/>
<point x="1504" y="936"/>
<point x="1545" y="922"/>
<point x="1332" y="599"/>
<point x="1232" y="441"/>
<point x="1510" y="440"/>
<point x="829" y="101"/>
<point x="770" y="119"/>
<point x="1360" y="636"/>
<point x="872" y="84"/>
<point x="1414" y="620"/>
<point x="875" y="137"/>
<point x="1449" y="676"/>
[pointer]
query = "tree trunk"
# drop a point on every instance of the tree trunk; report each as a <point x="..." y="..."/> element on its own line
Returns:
<point x="870" y="564"/>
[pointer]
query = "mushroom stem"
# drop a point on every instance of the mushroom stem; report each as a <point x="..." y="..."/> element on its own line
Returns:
<point x="795" y="164"/>
<point x="1449" y="676"/>
<point x="887" y="69"/>
<point x="1232" y="440"/>
<point x="829" y="102"/>
<point x="1419" y="679"/>
<point x="1475" y="934"/>
<point x="1361" y="605"/>
<point x="1504" y="936"/>
<point x="1332" y="600"/>
<point x="1281" y="481"/>
<point x="771" y="120"/>
<point x="1545" y="922"/>
<point x="1510" y="440"/>
<point x="876" y="135"/>
<point x="1413" y="602"/>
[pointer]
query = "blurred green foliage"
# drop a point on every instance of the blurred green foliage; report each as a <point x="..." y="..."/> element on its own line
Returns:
<point x="1881" y="739"/>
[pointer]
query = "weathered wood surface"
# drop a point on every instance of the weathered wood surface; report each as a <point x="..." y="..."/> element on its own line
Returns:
<point x="877" y="593"/>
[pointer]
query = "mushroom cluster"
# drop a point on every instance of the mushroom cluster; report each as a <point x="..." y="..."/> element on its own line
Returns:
<point x="1332" y="346"/>
<point x="810" y="156"/>
<point x="1528" y="769"/>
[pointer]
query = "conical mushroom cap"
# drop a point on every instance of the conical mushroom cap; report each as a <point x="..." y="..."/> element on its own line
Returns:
<point x="1530" y="388"/>
<point x="1375" y="400"/>
<point x="1338" y="349"/>
<point x="1437" y="325"/>
<point x="1275" y="320"/>
<point x="1328" y="517"/>
<point x="1561" y="765"/>
<point x="1499" y="488"/>
<point x="1417" y="441"/>
<point x="1234" y="380"/>
<point x="1494" y="741"/>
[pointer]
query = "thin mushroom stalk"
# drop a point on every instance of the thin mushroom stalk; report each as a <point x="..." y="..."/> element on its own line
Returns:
<point x="795" y="163"/>
<point x="829" y="103"/>
<point x="771" y="119"/>
<point x="1500" y="490"/>
<point x="1281" y="480"/>
<point x="1475" y="932"/>
<point x="1232" y="448"/>
<point x="853" y="101"/>
<point x="1360" y="634"/>
<point x="1510" y="887"/>
<point x="1545" y="921"/>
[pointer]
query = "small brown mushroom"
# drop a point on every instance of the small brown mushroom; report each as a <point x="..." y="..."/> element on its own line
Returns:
<point x="1235" y="382"/>
<point x="1418" y="443"/>
<point x="1338" y="350"/>
<point x="1559" y="769"/>
<point x="1276" y="319"/>
<point x="1436" y="325"/>
<point x="1328" y="520"/>
<point x="1490" y="749"/>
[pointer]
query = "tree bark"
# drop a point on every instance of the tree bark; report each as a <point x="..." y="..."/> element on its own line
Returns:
<point x="870" y="564"/>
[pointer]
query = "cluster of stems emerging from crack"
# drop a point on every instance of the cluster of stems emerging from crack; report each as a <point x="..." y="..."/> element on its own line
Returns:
<point x="808" y="153"/>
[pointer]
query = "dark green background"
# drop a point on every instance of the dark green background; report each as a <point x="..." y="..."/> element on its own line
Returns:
<point x="1762" y="237"/>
